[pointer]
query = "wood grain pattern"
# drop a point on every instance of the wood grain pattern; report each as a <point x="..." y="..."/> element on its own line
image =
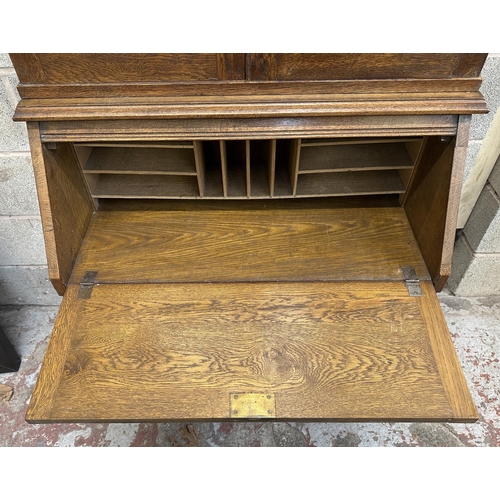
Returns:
<point x="120" y="84"/>
<point x="114" y="68"/>
<point x="231" y="66"/>
<point x="252" y="245"/>
<point x="456" y="180"/>
<point x="366" y="66"/>
<point x="262" y="67"/>
<point x="444" y="352"/>
<point x="469" y="65"/>
<point x="255" y="128"/>
<point x="247" y="107"/>
<point x="432" y="204"/>
<point x="455" y="87"/>
<point x="65" y="205"/>
<point x="189" y="346"/>
<point x="45" y="208"/>
<point x="354" y="157"/>
<point x="55" y="356"/>
<point x="304" y="300"/>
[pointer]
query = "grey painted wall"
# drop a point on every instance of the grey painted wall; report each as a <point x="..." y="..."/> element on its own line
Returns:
<point x="23" y="264"/>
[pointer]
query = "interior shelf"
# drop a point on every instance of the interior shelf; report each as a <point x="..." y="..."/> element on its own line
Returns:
<point x="148" y="186"/>
<point x="378" y="156"/>
<point x="144" y="161"/>
<point x="250" y="169"/>
<point x="350" y="183"/>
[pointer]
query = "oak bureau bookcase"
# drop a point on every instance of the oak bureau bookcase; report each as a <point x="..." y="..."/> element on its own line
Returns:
<point x="244" y="236"/>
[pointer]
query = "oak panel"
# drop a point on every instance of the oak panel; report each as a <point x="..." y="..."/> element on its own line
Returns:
<point x="432" y="200"/>
<point x="446" y="357"/>
<point x="255" y="128"/>
<point x="231" y="66"/>
<point x="65" y="205"/>
<point x="457" y="87"/>
<point x="248" y="245"/>
<point x="342" y="351"/>
<point x="249" y="106"/>
<point x="114" y="68"/>
<point x="455" y="189"/>
<point x="366" y="66"/>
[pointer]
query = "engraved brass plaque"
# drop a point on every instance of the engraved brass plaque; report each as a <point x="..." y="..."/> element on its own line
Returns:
<point x="252" y="405"/>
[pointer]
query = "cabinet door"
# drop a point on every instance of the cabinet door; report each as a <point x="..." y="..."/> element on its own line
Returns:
<point x="201" y="313"/>
<point x="124" y="76"/>
<point x="290" y="67"/>
<point x="64" y="69"/>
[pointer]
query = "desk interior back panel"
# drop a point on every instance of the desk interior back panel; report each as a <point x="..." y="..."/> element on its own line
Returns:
<point x="217" y="245"/>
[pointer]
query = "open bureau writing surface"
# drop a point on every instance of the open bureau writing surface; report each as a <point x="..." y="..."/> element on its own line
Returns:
<point x="249" y="235"/>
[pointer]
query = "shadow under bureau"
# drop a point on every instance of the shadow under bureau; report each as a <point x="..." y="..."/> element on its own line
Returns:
<point x="246" y="236"/>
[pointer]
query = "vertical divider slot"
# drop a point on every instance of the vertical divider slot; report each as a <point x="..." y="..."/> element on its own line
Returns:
<point x="83" y="154"/>
<point x="260" y="168"/>
<point x="415" y="149"/>
<point x="200" y="166"/>
<point x="294" y="164"/>
<point x="272" y="166"/>
<point x="236" y="158"/>
<point x="248" y="169"/>
<point x="223" y="159"/>
<point x="213" y="162"/>
<point x="282" y="187"/>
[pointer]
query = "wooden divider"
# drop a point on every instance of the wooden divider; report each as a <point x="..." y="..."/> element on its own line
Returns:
<point x="248" y="168"/>
<point x="223" y="158"/>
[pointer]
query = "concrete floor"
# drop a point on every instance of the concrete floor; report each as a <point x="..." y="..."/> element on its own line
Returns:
<point x="475" y="328"/>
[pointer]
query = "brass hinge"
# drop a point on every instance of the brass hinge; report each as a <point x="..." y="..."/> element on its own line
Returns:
<point x="412" y="282"/>
<point x="87" y="284"/>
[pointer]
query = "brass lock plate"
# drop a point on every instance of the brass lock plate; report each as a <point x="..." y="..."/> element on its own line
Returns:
<point x="252" y="405"/>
